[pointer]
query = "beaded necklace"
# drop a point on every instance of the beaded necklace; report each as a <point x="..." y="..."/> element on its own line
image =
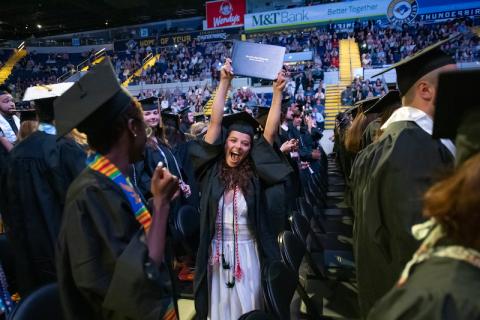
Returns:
<point x="220" y="237"/>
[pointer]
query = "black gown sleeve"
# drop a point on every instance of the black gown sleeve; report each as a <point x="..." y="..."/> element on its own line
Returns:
<point x="108" y="261"/>
<point x="269" y="166"/>
<point x="203" y="155"/>
<point x="73" y="158"/>
<point x="420" y="304"/>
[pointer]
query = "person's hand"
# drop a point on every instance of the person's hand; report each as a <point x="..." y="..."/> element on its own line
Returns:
<point x="295" y="144"/>
<point x="164" y="185"/>
<point x="308" y="121"/>
<point x="226" y="72"/>
<point x="280" y="83"/>
<point x="288" y="146"/>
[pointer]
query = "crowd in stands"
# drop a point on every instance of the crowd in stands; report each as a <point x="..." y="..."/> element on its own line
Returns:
<point x="183" y="63"/>
<point x="195" y="98"/>
<point x="380" y="44"/>
<point x="388" y="44"/>
<point x="361" y="89"/>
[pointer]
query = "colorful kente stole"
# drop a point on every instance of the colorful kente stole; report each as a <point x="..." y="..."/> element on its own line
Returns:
<point x="101" y="164"/>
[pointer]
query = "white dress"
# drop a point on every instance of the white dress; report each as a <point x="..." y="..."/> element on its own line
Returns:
<point x="246" y="295"/>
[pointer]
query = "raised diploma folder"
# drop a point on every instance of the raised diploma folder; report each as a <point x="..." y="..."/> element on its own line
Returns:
<point x="257" y="60"/>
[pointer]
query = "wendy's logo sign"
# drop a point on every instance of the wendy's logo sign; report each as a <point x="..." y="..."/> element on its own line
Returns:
<point x="225" y="13"/>
<point x="226" y="8"/>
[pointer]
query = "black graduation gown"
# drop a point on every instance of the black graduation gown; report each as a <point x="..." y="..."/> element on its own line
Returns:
<point x="104" y="270"/>
<point x="146" y="169"/>
<point x="35" y="182"/>
<point x="144" y="172"/>
<point x="389" y="179"/>
<point x="270" y="170"/>
<point x="439" y="288"/>
<point x="370" y="131"/>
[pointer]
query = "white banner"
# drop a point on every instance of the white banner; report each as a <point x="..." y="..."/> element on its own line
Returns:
<point x="336" y="12"/>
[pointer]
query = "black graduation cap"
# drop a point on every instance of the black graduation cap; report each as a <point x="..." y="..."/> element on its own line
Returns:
<point x="29" y="114"/>
<point x="457" y="93"/>
<point x="199" y="117"/>
<point x="4" y="89"/>
<point x="262" y="115"/>
<point x="242" y="122"/>
<point x="413" y="67"/>
<point x="171" y="120"/>
<point x="457" y="111"/>
<point x="43" y="97"/>
<point x="286" y="102"/>
<point x="390" y="98"/>
<point x="364" y="104"/>
<point x="184" y="111"/>
<point x="92" y="102"/>
<point x="149" y="104"/>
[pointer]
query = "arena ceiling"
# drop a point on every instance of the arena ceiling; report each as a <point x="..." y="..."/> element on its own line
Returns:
<point x="20" y="19"/>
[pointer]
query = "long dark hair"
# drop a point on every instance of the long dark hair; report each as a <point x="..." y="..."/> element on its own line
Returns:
<point x="237" y="176"/>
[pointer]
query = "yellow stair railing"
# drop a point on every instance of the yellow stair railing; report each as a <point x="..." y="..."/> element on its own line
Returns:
<point x="97" y="58"/>
<point x="148" y="62"/>
<point x="6" y="70"/>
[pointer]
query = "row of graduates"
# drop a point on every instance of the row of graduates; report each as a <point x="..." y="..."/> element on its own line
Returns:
<point x="39" y="169"/>
<point x="86" y="222"/>
<point x="391" y="162"/>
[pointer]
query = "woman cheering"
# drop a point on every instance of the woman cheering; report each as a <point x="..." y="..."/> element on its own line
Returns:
<point x="234" y="169"/>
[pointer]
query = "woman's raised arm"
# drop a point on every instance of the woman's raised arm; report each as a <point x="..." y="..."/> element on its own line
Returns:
<point x="273" y="120"/>
<point x="215" y="125"/>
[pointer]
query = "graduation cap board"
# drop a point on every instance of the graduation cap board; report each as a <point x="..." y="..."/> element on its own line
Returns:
<point x="242" y="122"/>
<point x="257" y="60"/>
<point x="414" y="67"/>
<point x="92" y="102"/>
<point x="184" y="111"/>
<point x="50" y="91"/>
<point x="457" y="111"/>
<point x="389" y="99"/>
<point x="457" y="93"/>
<point x="149" y="104"/>
<point x="364" y="104"/>
<point x="262" y="115"/>
<point x="199" y="117"/>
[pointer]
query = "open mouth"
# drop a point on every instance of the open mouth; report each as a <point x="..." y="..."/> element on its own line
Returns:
<point x="235" y="156"/>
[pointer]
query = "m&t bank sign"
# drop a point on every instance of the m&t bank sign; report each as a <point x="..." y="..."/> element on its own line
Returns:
<point x="316" y="14"/>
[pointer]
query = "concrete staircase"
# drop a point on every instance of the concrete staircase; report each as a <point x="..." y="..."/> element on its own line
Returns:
<point x="349" y="60"/>
<point x="6" y="70"/>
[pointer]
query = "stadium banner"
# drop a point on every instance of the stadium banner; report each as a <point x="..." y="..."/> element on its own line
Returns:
<point x="402" y="11"/>
<point x="437" y="10"/>
<point x="177" y="38"/>
<point x="225" y="13"/>
<point x="331" y="13"/>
